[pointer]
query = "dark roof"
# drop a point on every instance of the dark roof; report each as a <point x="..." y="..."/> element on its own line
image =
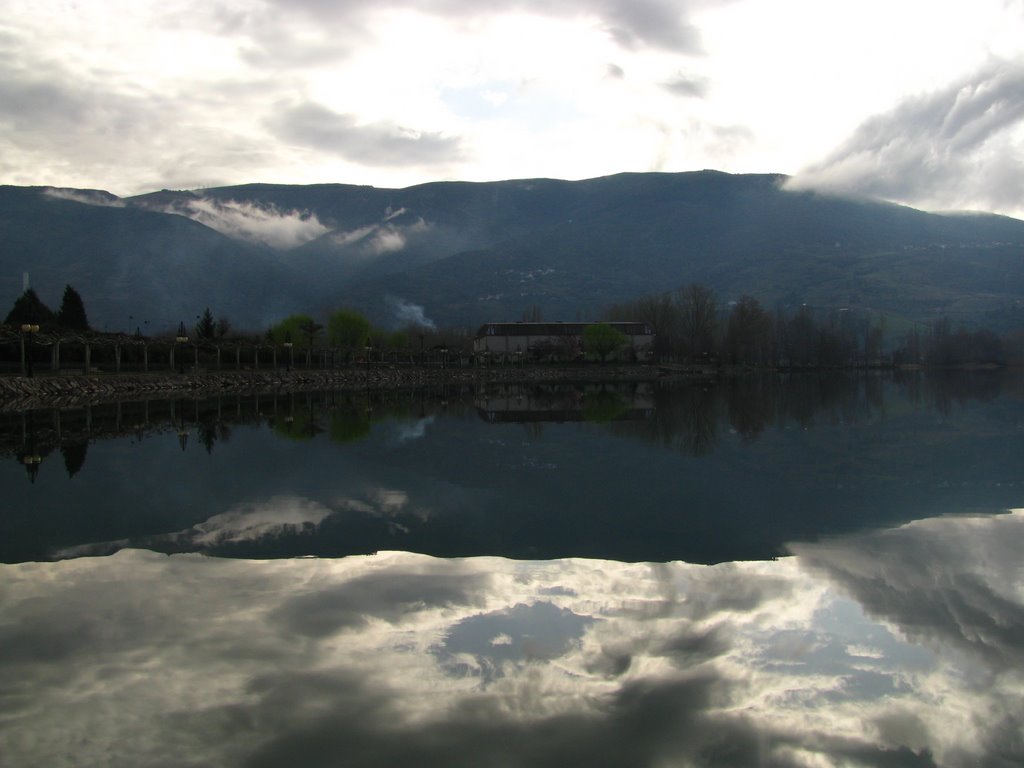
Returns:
<point x="556" y="329"/>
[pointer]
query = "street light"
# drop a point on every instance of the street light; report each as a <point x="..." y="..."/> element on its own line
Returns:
<point x="29" y="456"/>
<point x="181" y="339"/>
<point x="28" y="329"/>
<point x="32" y="463"/>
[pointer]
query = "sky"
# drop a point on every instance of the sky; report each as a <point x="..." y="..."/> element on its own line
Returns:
<point x="917" y="101"/>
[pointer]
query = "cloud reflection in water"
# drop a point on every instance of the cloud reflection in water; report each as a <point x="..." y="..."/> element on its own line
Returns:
<point x="893" y="648"/>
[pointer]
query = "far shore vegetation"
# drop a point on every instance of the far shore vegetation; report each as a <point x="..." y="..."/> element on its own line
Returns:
<point x="692" y="327"/>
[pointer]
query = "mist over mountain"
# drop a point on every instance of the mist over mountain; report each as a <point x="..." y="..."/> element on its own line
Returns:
<point x="465" y="253"/>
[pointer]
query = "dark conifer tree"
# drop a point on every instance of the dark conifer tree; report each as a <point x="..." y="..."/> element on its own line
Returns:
<point x="30" y="309"/>
<point x="74" y="456"/>
<point x="206" y="328"/>
<point x="72" y="311"/>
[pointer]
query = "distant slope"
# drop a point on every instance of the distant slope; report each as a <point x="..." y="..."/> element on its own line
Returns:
<point x="469" y="252"/>
<point x="132" y="267"/>
<point x="635" y="234"/>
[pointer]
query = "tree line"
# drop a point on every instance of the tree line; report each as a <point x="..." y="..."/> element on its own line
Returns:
<point x="345" y="328"/>
<point x="692" y="325"/>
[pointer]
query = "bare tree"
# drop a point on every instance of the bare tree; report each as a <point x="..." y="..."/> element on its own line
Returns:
<point x="748" y="333"/>
<point x="697" y="320"/>
<point x="657" y="311"/>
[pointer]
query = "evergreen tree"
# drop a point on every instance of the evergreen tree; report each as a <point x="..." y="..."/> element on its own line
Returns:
<point x="74" y="456"/>
<point x="206" y="328"/>
<point x="30" y="309"/>
<point x="72" y="311"/>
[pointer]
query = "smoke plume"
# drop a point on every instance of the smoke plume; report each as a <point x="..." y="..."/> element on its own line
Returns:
<point x="406" y="313"/>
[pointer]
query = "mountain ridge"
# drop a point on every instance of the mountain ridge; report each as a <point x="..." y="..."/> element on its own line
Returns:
<point x="473" y="251"/>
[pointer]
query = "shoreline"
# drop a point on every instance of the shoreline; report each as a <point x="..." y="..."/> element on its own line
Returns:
<point x="72" y="390"/>
<point x="20" y="393"/>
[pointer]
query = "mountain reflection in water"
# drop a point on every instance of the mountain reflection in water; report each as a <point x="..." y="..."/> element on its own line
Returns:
<point x="899" y="647"/>
<point x="697" y="471"/>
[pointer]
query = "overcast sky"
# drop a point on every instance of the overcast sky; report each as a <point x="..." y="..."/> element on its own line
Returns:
<point x="919" y="101"/>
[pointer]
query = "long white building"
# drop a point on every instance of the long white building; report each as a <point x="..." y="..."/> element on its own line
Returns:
<point x="555" y="341"/>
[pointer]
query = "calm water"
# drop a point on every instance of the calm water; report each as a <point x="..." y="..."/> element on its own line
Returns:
<point x="812" y="571"/>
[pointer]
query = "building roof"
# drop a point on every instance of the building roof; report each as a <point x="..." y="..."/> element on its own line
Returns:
<point x="557" y="329"/>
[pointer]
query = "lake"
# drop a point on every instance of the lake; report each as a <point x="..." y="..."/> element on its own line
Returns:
<point x="787" y="571"/>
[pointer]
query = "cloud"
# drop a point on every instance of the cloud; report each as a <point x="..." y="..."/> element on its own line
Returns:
<point x="959" y="147"/>
<point x="74" y="126"/>
<point x="660" y="24"/>
<point x="41" y="101"/>
<point x="86" y="197"/>
<point x="252" y="522"/>
<point x="253" y="223"/>
<point x="687" y="86"/>
<point x="245" y="523"/>
<point x="390" y="596"/>
<point x="386" y="236"/>
<point x="946" y="581"/>
<point x="303" y="660"/>
<point x="314" y="126"/>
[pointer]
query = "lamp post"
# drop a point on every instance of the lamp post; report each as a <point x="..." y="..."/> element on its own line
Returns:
<point x="291" y="354"/>
<point x="29" y="457"/>
<point x="180" y="340"/>
<point x="182" y="431"/>
<point x="27" y="329"/>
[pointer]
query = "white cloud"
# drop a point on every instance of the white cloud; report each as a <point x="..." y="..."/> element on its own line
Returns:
<point x="387" y="236"/>
<point x="86" y="197"/>
<point x="253" y="522"/>
<point x="254" y="223"/>
<point x="957" y="147"/>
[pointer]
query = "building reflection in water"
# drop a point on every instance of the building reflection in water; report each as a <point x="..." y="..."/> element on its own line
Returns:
<point x="600" y="403"/>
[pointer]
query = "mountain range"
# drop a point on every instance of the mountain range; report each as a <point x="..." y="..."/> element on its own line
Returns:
<point x="459" y="253"/>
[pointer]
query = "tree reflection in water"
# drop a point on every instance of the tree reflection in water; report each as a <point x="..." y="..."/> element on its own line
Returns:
<point x="685" y="414"/>
<point x="698" y="470"/>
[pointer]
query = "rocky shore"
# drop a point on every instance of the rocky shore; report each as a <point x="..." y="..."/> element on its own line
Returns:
<point x="19" y="393"/>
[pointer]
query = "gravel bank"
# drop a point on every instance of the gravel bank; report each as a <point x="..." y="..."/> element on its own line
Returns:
<point x="18" y="393"/>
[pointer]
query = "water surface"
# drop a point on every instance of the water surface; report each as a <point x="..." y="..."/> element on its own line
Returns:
<point x="813" y="571"/>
